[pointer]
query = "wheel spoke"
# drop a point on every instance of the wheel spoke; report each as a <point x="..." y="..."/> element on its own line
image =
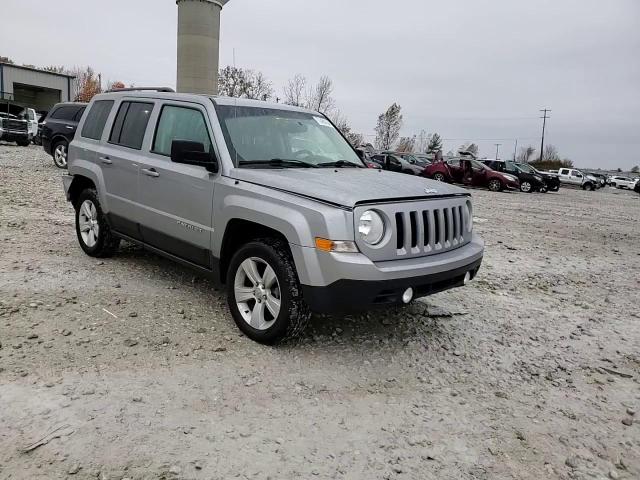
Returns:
<point x="86" y="210"/>
<point x="257" y="316"/>
<point x="243" y="294"/>
<point x="269" y="277"/>
<point x="93" y="212"/>
<point x="251" y="270"/>
<point x="273" y="304"/>
<point x="85" y="227"/>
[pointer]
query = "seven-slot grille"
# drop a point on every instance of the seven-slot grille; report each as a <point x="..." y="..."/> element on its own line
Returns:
<point x="430" y="231"/>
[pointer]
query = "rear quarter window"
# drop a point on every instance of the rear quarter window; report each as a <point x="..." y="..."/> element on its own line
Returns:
<point x="96" y="119"/>
<point x="66" y="112"/>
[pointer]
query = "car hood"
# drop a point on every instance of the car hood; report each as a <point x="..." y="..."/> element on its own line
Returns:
<point x="346" y="186"/>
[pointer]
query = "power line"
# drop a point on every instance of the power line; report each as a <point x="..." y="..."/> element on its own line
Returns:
<point x="544" y="124"/>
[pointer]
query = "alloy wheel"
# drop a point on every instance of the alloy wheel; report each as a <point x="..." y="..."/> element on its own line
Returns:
<point x="60" y="155"/>
<point x="439" y="177"/>
<point x="257" y="293"/>
<point x="525" y="187"/>
<point x="494" y="185"/>
<point x="88" y="223"/>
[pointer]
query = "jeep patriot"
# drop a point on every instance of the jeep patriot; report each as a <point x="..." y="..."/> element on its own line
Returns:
<point x="268" y="199"/>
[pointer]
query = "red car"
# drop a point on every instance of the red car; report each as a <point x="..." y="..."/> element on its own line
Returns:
<point x="472" y="173"/>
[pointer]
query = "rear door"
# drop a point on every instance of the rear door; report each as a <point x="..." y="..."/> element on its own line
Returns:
<point x="119" y="158"/>
<point x="176" y="200"/>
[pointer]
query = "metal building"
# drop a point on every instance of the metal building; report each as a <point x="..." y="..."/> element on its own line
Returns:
<point x="30" y="87"/>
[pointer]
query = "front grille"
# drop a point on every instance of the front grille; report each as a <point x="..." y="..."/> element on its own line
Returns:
<point x="419" y="228"/>
<point x="426" y="231"/>
<point x="15" y="125"/>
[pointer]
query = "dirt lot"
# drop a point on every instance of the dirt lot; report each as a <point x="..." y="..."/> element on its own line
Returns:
<point x="134" y="369"/>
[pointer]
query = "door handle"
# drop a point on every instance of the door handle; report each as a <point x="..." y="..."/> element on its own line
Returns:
<point x="150" y="172"/>
<point x="69" y="127"/>
<point x="106" y="160"/>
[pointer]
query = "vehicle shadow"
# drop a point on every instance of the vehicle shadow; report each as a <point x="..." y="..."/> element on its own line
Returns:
<point x="392" y="327"/>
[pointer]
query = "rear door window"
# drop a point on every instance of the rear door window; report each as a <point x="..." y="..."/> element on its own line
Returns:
<point x="96" y="119"/>
<point x="78" y="115"/>
<point x="564" y="171"/>
<point x="131" y="124"/>
<point x="65" y="112"/>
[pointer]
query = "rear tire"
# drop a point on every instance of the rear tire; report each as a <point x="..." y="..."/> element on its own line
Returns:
<point x="264" y="293"/>
<point x="439" y="177"/>
<point x="526" y="187"/>
<point x="93" y="232"/>
<point x="59" y="153"/>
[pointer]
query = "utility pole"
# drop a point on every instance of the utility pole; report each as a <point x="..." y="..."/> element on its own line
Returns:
<point x="544" y="124"/>
<point x="515" y="150"/>
<point x="497" y="149"/>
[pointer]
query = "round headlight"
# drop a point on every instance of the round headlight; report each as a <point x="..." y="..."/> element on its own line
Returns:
<point x="371" y="227"/>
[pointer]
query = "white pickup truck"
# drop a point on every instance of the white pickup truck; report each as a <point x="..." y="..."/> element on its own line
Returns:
<point x="571" y="176"/>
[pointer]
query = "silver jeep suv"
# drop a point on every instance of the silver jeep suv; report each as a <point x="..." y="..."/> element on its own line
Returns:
<point x="270" y="200"/>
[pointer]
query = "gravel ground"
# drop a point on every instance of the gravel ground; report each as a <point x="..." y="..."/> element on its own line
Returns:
<point x="131" y="367"/>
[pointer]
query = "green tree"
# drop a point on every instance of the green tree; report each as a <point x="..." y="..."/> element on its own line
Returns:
<point x="435" y="143"/>
<point x="388" y="127"/>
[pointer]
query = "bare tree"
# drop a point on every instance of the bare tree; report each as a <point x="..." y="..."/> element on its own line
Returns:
<point x="635" y="169"/>
<point x="526" y="153"/>
<point x="388" y="127"/>
<point x="239" y="82"/>
<point x="406" y="144"/>
<point x="342" y="123"/>
<point x="6" y="60"/>
<point x="294" y="91"/>
<point x="550" y="154"/>
<point x="319" y="98"/>
<point x="258" y="87"/>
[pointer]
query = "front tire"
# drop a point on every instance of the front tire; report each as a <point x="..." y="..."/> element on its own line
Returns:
<point x="60" y="149"/>
<point x="439" y="177"/>
<point x="495" y="185"/>
<point x="264" y="293"/>
<point x="93" y="232"/>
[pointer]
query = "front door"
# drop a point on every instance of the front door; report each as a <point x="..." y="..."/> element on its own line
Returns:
<point x="176" y="200"/>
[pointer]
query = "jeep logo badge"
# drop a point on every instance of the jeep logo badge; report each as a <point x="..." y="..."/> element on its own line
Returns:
<point x="430" y="190"/>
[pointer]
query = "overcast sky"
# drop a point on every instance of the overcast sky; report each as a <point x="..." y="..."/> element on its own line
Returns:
<point x="471" y="70"/>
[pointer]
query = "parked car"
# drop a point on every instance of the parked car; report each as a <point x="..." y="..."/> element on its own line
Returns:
<point x="366" y="159"/>
<point x="59" y="128"/>
<point x="395" y="163"/>
<point x="601" y="178"/>
<point x="412" y="158"/>
<point x="40" y="116"/>
<point x="472" y="173"/>
<point x="574" y="177"/>
<point x="266" y="198"/>
<point x="14" y="129"/>
<point x="623" y="182"/>
<point x="552" y="182"/>
<point x="636" y="188"/>
<point x="529" y="181"/>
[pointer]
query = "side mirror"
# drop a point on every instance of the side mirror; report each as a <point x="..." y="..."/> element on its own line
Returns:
<point x="193" y="153"/>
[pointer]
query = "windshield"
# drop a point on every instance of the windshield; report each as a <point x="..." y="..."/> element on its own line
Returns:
<point x="525" y="168"/>
<point x="269" y="137"/>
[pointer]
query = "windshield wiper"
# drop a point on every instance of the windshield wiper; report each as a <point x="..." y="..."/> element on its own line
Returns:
<point x="278" y="162"/>
<point x="339" y="164"/>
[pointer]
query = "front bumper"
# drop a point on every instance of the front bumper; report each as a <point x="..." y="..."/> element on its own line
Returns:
<point x="337" y="282"/>
<point x="13" y="135"/>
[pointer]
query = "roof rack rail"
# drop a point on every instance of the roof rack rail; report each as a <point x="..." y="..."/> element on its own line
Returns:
<point x="142" y="89"/>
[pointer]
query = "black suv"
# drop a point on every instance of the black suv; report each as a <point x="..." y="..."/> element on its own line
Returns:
<point x="551" y="181"/>
<point x="529" y="182"/>
<point x="59" y="128"/>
